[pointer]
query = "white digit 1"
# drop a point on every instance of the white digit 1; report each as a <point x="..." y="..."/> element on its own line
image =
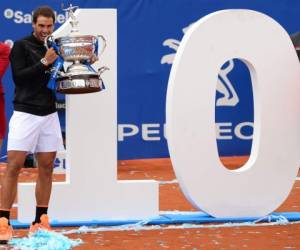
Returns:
<point x="92" y="191"/>
<point x="265" y="181"/>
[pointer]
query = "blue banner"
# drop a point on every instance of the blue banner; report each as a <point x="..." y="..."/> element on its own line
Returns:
<point x="149" y="33"/>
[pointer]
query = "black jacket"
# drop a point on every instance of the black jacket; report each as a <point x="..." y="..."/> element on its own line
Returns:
<point x="29" y="74"/>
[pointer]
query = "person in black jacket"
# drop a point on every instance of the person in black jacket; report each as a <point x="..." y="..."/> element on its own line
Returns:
<point x="34" y="126"/>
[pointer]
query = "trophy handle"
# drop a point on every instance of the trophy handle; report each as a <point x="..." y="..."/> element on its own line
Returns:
<point x="103" y="46"/>
<point x="102" y="69"/>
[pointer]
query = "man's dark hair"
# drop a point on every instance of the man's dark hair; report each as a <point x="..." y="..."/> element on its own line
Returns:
<point x="45" y="11"/>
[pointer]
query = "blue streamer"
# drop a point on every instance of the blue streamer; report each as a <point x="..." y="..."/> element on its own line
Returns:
<point x="96" y="48"/>
<point x="103" y="86"/>
<point x="89" y="66"/>
<point x="54" y="46"/>
<point x="57" y="66"/>
<point x="92" y="69"/>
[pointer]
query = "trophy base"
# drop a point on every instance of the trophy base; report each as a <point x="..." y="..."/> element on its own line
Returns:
<point x="79" y="84"/>
<point x="78" y="90"/>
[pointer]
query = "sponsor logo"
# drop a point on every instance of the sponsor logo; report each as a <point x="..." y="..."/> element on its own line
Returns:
<point x="157" y="132"/>
<point x="20" y="17"/>
<point x="224" y="86"/>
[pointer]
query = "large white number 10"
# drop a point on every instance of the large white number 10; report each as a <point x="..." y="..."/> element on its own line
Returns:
<point x="258" y="188"/>
<point x="263" y="183"/>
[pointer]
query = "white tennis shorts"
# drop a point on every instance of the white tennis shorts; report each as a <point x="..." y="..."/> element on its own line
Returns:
<point x="33" y="133"/>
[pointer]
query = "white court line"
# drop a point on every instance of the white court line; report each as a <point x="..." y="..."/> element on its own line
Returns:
<point x="168" y="182"/>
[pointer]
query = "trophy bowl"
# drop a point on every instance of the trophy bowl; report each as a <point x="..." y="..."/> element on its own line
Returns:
<point x="77" y="48"/>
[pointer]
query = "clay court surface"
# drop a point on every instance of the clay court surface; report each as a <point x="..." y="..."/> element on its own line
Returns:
<point x="179" y="236"/>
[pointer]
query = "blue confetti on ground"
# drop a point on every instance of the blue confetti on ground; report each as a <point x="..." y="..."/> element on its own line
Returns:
<point x="44" y="240"/>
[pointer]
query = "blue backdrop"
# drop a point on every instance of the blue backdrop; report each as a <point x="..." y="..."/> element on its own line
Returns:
<point x="149" y="33"/>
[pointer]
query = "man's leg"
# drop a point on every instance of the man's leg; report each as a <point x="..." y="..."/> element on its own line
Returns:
<point x="8" y="192"/>
<point x="43" y="190"/>
<point x="44" y="182"/>
<point x="9" y="184"/>
<point x="49" y="142"/>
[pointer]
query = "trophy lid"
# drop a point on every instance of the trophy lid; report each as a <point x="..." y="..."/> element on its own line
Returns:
<point x="74" y="22"/>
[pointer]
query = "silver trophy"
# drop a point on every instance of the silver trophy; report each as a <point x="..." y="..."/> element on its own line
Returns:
<point x="80" y="50"/>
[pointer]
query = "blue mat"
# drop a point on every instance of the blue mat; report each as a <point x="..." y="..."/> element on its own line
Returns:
<point x="170" y="218"/>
